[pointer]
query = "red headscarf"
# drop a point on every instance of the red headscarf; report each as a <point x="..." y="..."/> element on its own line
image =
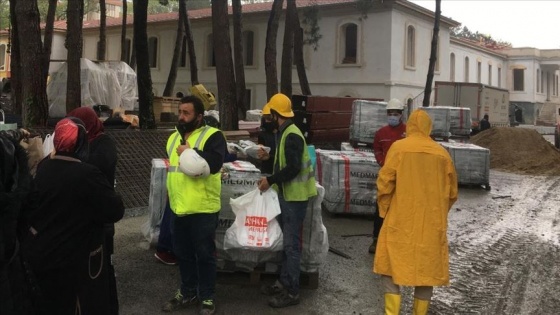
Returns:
<point x="94" y="126"/>
<point x="65" y="136"/>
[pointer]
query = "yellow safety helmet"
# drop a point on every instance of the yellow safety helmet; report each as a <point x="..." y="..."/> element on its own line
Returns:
<point x="266" y="110"/>
<point x="281" y="104"/>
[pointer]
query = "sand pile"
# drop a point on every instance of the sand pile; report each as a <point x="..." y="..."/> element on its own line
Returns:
<point x="519" y="150"/>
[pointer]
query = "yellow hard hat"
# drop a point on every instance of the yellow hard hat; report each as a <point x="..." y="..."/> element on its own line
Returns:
<point x="281" y="104"/>
<point x="266" y="110"/>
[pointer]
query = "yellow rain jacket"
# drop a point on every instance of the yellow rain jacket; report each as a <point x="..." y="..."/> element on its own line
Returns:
<point x="416" y="188"/>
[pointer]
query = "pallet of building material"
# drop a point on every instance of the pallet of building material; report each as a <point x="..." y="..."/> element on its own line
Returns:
<point x="349" y="179"/>
<point x="242" y="178"/>
<point x="347" y="146"/>
<point x="326" y="135"/>
<point x="165" y="106"/>
<point x="460" y="121"/>
<point x="315" y="103"/>
<point x="440" y="121"/>
<point x="367" y="118"/>
<point x="472" y="163"/>
<point x="321" y="120"/>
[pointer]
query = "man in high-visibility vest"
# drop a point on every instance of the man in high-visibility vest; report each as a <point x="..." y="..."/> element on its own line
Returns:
<point x="195" y="200"/>
<point x="293" y="178"/>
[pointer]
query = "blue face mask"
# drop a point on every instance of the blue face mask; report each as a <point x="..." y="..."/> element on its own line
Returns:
<point x="393" y="120"/>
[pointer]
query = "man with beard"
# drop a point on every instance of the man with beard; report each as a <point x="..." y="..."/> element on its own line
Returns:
<point x="195" y="200"/>
<point x="266" y="138"/>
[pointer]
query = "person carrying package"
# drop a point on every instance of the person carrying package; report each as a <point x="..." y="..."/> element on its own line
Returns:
<point x="384" y="138"/>
<point x="196" y="154"/>
<point x="293" y="178"/>
<point x="416" y="188"/>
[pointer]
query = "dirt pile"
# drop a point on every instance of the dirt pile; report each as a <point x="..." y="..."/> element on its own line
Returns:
<point x="519" y="150"/>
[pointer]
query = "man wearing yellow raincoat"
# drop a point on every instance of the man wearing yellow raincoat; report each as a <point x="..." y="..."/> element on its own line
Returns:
<point x="416" y="188"/>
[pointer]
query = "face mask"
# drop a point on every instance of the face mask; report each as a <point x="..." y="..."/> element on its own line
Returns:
<point x="393" y="120"/>
<point x="184" y="127"/>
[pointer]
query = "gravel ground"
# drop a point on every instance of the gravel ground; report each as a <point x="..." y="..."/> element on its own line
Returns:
<point x="504" y="252"/>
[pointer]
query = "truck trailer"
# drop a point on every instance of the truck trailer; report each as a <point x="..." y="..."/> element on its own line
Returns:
<point x="481" y="99"/>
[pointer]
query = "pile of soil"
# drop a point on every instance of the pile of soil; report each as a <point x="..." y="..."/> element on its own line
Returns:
<point x="519" y="150"/>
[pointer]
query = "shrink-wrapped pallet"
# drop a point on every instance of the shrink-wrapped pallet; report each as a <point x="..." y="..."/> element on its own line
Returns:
<point x="349" y="179"/>
<point x="367" y="118"/>
<point x="460" y="121"/>
<point x="472" y="163"/>
<point x="347" y="146"/>
<point x="440" y="120"/>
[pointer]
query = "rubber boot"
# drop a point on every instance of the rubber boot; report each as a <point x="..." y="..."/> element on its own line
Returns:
<point x="392" y="304"/>
<point x="420" y="307"/>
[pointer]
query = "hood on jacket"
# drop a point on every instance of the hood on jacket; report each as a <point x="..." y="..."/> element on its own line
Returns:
<point x="419" y="123"/>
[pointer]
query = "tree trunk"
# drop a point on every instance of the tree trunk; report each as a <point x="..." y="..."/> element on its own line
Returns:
<point x="47" y="41"/>
<point x="102" y="30"/>
<point x="270" y="49"/>
<point x="298" y="57"/>
<point x="74" y="44"/>
<point x="33" y="89"/>
<point x="238" y="55"/>
<point x="15" y="64"/>
<point x="190" y="42"/>
<point x="224" y="66"/>
<point x="144" y="77"/>
<point x="288" y="49"/>
<point x="124" y="56"/>
<point x="172" y="77"/>
<point x="433" y="54"/>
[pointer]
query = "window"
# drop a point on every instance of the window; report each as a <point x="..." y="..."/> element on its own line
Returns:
<point x="452" y="67"/>
<point x="248" y="48"/>
<point x="210" y="58"/>
<point x="538" y="80"/>
<point x="410" y="46"/>
<point x="2" y="57"/>
<point x="466" y="69"/>
<point x="556" y="85"/>
<point x="479" y="72"/>
<point x="349" y="44"/>
<point x="183" y="61"/>
<point x="152" y="51"/>
<point x="518" y="84"/>
<point x="98" y="51"/>
<point x="542" y="81"/>
<point x="499" y="77"/>
<point x="127" y="46"/>
<point x="489" y="74"/>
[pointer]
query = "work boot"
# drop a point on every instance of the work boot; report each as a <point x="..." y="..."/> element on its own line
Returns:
<point x="179" y="302"/>
<point x="373" y="246"/>
<point x="392" y="304"/>
<point x="283" y="299"/>
<point x="208" y="307"/>
<point x="420" y="307"/>
<point x="272" y="289"/>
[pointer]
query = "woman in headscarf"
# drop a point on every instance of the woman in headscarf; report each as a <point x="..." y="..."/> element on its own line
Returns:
<point x="74" y="200"/>
<point x="103" y="155"/>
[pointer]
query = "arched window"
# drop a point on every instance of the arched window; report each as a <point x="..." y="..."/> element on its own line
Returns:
<point x="153" y="51"/>
<point x="452" y="67"/>
<point x="538" y="80"/>
<point x="410" y="46"/>
<point x="248" y="47"/>
<point x="2" y="57"/>
<point x="466" y="69"/>
<point x="349" y="43"/>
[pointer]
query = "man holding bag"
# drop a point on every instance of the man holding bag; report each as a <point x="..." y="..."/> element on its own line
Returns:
<point x="293" y="178"/>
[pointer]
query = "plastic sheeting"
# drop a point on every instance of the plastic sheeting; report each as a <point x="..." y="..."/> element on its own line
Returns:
<point x="367" y="118"/>
<point x="472" y="162"/>
<point x="349" y="179"/>
<point x="102" y="83"/>
<point x="156" y="201"/>
<point x="449" y="121"/>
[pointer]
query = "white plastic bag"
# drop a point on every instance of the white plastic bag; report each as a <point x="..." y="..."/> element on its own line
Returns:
<point x="255" y="226"/>
<point x="48" y="145"/>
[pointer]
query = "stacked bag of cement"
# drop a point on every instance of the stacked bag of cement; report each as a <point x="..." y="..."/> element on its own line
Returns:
<point x="349" y="179"/>
<point x="472" y="163"/>
<point x="367" y="118"/>
<point x="449" y="121"/>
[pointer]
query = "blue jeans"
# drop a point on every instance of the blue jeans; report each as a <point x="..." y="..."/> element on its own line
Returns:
<point x="291" y="221"/>
<point x="196" y="252"/>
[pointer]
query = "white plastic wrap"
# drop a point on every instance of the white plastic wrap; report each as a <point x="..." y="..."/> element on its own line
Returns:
<point x="472" y="162"/>
<point x="367" y="118"/>
<point x="349" y="179"/>
<point x="108" y="83"/>
<point x="157" y="200"/>
<point x="440" y="120"/>
<point x="253" y="115"/>
<point x="346" y="146"/>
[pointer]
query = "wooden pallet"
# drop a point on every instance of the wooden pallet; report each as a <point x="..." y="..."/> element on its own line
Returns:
<point x="259" y="276"/>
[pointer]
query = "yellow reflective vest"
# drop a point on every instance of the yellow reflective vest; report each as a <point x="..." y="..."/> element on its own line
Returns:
<point x="188" y="195"/>
<point x="302" y="187"/>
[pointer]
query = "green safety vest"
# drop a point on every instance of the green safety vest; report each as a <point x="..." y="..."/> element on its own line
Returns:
<point x="188" y="195"/>
<point x="302" y="187"/>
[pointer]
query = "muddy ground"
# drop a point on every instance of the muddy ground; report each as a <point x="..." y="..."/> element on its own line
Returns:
<point x="504" y="252"/>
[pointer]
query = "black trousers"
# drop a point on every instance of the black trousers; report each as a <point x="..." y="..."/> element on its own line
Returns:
<point x="377" y="222"/>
